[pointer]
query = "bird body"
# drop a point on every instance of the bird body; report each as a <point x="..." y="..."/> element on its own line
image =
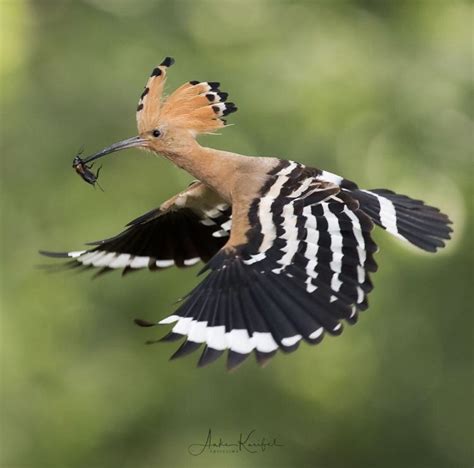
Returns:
<point x="287" y="248"/>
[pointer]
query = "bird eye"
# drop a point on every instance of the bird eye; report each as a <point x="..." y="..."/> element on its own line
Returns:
<point x="156" y="133"/>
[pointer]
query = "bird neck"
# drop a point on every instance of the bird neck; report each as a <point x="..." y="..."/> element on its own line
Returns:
<point x="215" y="168"/>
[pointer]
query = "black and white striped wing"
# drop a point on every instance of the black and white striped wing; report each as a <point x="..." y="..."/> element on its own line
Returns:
<point x="190" y="227"/>
<point x="304" y="270"/>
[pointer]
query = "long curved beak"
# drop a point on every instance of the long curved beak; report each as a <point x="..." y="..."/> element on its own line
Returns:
<point x="124" y="144"/>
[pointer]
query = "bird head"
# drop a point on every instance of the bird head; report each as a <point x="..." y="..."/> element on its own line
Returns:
<point x="169" y="125"/>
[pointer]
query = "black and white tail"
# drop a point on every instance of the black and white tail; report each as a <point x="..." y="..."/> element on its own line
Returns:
<point x="409" y="219"/>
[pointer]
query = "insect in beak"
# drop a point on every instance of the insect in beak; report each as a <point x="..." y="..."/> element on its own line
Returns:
<point x="85" y="171"/>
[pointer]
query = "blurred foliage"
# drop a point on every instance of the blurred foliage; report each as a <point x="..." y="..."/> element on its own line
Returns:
<point x="378" y="91"/>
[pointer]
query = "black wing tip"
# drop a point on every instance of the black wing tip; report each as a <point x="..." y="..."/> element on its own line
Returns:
<point x="186" y="348"/>
<point x="315" y="341"/>
<point x="340" y="328"/>
<point x="93" y="243"/>
<point x="102" y="271"/>
<point x="170" y="337"/>
<point x="290" y="349"/>
<point x="208" y="356"/>
<point x="432" y="248"/>
<point x="263" y="358"/>
<point x="48" y="253"/>
<point x="352" y="320"/>
<point x="128" y="269"/>
<point x="144" y="323"/>
<point x="235" y="359"/>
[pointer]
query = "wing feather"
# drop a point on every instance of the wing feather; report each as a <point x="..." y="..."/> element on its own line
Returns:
<point x="303" y="270"/>
<point x="180" y="232"/>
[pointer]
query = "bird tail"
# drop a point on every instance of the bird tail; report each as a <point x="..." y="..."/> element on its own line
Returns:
<point x="408" y="219"/>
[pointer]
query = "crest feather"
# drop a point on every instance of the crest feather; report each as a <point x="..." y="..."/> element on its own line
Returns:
<point x="149" y="104"/>
<point x="197" y="106"/>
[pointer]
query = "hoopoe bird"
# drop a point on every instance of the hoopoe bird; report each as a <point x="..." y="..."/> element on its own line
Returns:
<point x="287" y="248"/>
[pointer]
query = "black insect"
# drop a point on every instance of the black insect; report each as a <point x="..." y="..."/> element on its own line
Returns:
<point x="85" y="171"/>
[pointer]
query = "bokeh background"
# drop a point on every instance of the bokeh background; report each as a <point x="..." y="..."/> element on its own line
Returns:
<point x="378" y="91"/>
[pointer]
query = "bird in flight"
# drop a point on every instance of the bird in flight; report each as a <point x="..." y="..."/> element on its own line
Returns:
<point x="287" y="248"/>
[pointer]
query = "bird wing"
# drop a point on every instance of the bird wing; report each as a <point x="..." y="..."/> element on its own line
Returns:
<point x="189" y="227"/>
<point x="303" y="268"/>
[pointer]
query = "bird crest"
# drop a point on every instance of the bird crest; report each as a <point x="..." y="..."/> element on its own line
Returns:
<point x="198" y="106"/>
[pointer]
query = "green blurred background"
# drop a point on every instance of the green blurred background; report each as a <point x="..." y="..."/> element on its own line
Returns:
<point x="378" y="91"/>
